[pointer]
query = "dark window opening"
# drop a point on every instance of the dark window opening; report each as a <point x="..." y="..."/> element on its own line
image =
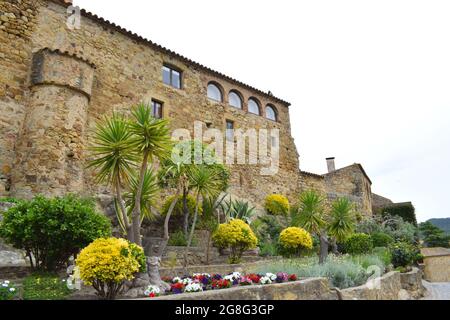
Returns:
<point x="157" y="111"/>
<point x="171" y="77"/>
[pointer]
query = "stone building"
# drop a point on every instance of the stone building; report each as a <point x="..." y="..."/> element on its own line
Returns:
<point x="58" y="78"/>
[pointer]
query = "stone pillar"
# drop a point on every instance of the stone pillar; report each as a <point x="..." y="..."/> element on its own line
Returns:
<point x="50" y="151"/>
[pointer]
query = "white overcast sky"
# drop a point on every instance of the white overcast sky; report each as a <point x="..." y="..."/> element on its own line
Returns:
<point x="369" y="81"/>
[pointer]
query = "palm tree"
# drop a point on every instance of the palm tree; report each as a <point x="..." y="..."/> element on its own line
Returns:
<point x="151" y="139"/>
<point x="114" y="159"/>
<point x="342" y="220"/>
<point x="207" y="182"/>
<point x="311" y="217"/>
<point x="120" y="147"/>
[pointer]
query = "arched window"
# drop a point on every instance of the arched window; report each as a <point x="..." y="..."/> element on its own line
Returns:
<point x="235" y="100"/>
<point x="271" y="114"/>
<point x="214" y="93"/>
<point x="253" y="106"/>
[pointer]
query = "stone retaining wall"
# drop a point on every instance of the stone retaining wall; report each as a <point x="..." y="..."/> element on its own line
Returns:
<point x="391" y="286"/>
<point x="309" y="289"/>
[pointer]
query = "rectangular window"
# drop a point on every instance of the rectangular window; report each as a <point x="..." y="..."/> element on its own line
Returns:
<point x="171" y="77"/>
<point x="229" y="132"/>
<point x="157" y="109"/>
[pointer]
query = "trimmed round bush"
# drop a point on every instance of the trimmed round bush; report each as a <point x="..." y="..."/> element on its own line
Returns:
<point x="292" y="240"/>
<point x="178" y="210"/>
<point x="359" y="243"/>
<point x="237" y="236"/>
<point x="54" y="229"/>
<point x="277" y="204"/>
<point x="106" y="263"/>
<point x="381" y="239"/>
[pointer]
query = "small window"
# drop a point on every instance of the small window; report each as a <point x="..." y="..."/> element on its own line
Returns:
<point x="235" y="100"/>
<point x="214" y="93"/>
<point x="157" y="109"/>
<point x="171" y="77"/>
<point x="253" y="106"/>
<point x="230" y="130"/>
<point x="271" y="113"/>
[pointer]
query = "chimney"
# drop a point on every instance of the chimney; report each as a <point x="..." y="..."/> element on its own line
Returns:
<point x="330" y="164"/>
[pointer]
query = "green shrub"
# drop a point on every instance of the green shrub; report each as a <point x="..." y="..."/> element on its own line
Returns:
<point x="52" y="230"/>
<point x="177" y="239"/>
<point x="406" y="211"/>
<point x="403" y="254"/>
<point x="381" y="239"/>
<point x="44" y="286"/>
<point x="358" y="243"/>
<point x="268" y="248"/>
<point x="277" y="204"/>
<point x="384" y="254"/>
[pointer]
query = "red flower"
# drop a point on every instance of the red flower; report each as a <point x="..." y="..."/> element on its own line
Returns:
<point x="221" y="284"/>
<point x="254" y="277"/>
<point x="293" y="277"/>
<point x="152" y="295"/>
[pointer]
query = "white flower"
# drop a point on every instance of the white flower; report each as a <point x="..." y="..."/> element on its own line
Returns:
<point x="193" y="287"/>
<point x="176" y="280"/>
<point x="233" y="276"/>
<point x="201" y="274"/>
<point x="265" y="280"/>
<point x="12" y="289"/>
<point x="6" y="281"/>
<point x="271" y="276"/>
<point x="187" y="281"/>
<point x="152" y="289"/>
<point x="5" y="285"/>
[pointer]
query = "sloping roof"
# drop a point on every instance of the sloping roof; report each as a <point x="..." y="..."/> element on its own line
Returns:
<point x="359" y="166"/>
<point x="312" y="174"/>
<point x="169" y="52"/>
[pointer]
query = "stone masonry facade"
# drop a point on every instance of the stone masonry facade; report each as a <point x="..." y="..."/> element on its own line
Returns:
<point x="57" y="82"/>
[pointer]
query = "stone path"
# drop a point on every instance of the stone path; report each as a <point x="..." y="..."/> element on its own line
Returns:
<point x="437" y="291"/>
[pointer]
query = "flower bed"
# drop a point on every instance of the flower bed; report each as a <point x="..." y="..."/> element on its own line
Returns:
<point x="199" y="282"/>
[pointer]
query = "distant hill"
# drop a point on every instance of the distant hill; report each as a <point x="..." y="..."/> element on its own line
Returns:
<point x="443" y="224"/>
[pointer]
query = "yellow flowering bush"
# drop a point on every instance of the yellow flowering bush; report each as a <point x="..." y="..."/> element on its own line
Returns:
<point x="107" y="262"/>
<point x="237" y="236"/>
<point x="292" y="240"/>
<point x="277" y="204"/>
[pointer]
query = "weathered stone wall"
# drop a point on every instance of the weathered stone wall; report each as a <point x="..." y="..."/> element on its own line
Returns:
<point x="50" y="150"/>
<point x="391" y="286"/>
<point x="378" y="202"/>
<point x="17" y="24"/>
<point x="311" y="181"/>
<point x="437" y="268"/>
<point x="128" y="71"/>
<point x="352" y="183"/>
